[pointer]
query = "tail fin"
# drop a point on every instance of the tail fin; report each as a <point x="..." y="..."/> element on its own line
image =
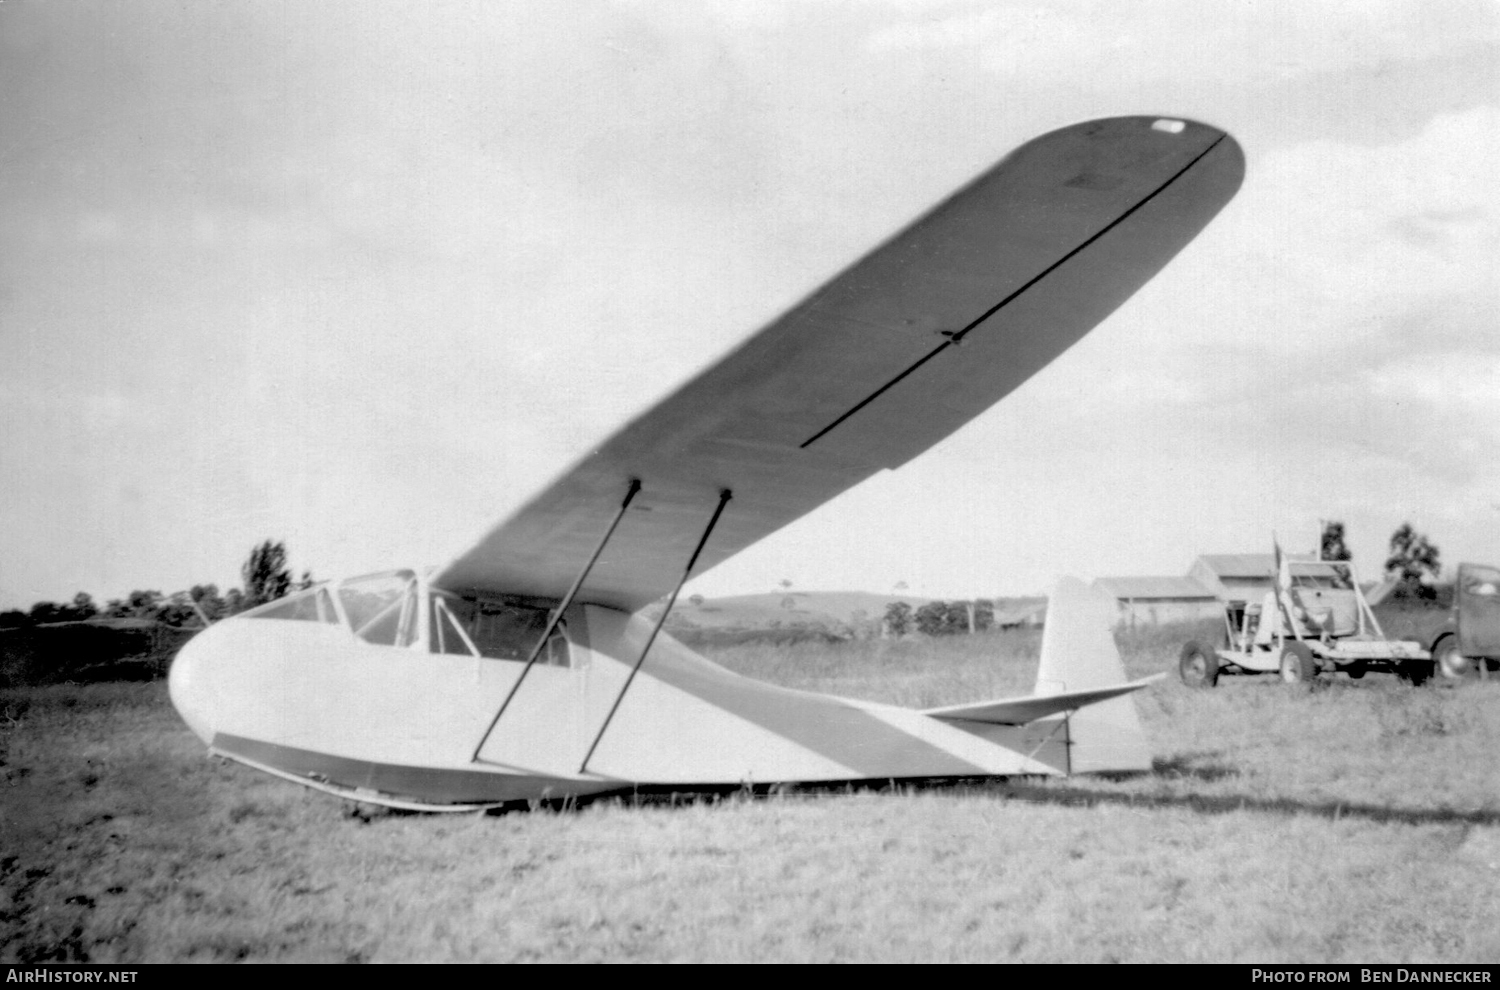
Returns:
<point x="1079" y="654"/>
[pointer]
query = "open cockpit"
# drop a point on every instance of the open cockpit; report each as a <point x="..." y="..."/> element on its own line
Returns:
<point x="400" y="609"/>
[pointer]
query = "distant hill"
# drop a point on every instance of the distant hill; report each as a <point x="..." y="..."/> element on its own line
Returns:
<point x="829" y="609"/>
<point x="793" y="615"/>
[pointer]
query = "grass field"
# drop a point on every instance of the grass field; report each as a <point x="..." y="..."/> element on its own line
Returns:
<point x="1357" y="823"/>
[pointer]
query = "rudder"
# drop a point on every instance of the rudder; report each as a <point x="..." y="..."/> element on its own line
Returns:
<point x="1079" y="653"/>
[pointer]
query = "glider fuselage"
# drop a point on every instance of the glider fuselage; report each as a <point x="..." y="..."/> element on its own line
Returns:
<point x="309" y="698"/>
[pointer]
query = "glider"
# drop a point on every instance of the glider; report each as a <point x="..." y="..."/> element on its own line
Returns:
<point x="523" y="668"/>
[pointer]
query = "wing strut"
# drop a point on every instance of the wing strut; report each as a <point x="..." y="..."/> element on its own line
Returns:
<point x="557" y="614"/>
<point x="724" y="497"/>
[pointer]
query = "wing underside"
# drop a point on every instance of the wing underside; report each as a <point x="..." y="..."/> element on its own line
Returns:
<point x="891" y="356"/>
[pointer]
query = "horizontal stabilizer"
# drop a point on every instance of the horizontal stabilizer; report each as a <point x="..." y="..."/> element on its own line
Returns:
<point x="1019" y="711"/>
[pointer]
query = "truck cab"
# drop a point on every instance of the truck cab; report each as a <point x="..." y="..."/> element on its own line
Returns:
<point x="1467" y="644"/>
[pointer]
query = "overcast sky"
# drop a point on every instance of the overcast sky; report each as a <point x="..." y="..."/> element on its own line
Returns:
<point x="362" y="277"/>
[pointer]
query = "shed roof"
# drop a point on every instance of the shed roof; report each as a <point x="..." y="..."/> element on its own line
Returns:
<point x="1240" y="565"/>
<point x="1257" y="565"/>
<point x="1136" y="588"/>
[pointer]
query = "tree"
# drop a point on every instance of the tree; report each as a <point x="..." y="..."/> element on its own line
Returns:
<point x="1411" y="559"/>
<point x="936" y="619"/>
<point x="266" y="575"/>
<point x="956" y="619"/>
<point x="14" y="619"/>
<point x="897" y="618"/>
<point x="143" y="604"/>
<point x="207" y="598"/>
<point x="47" y="612"/>
<point x="1333" y="546"/>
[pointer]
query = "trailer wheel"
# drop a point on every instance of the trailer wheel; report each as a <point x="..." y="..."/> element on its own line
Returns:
<point x="1198" y="665"/>
<point x="1449" y="664"/>
<point x="1298" y="665"/>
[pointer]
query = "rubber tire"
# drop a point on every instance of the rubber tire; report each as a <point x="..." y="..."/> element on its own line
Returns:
<point x="1449" y="665"/>
<point x="1298" y="666"/>
<point x="1198" y="665"/>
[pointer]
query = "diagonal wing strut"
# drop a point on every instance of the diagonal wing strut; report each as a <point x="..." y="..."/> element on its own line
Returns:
<point x="724" y="496"/>
<point x="557" y="614"/>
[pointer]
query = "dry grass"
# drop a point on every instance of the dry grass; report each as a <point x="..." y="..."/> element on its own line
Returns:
<point x="1359" y="823"/>
<point x="918" y="673"/>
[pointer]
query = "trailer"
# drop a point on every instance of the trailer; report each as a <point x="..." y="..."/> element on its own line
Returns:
<point x="1314" y="621"/>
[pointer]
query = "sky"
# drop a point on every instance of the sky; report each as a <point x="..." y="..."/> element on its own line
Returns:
<point x="362" y="277"/>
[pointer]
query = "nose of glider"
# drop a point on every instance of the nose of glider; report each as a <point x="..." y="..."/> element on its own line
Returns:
<point x="187" y="683"/>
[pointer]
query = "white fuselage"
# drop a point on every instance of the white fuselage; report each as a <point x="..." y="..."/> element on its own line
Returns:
<point x="312" y="701"/>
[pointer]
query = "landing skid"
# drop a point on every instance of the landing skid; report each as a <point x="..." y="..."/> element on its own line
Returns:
<point x="362" y="794"/>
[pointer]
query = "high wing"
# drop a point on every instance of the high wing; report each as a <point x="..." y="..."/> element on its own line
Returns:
<point x="891" y="356"/>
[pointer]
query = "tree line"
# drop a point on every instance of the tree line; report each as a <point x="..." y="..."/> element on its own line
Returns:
<point x="265" y="575"/>
<point x="1412" y="560"/>
<point x="939" y="618"/>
